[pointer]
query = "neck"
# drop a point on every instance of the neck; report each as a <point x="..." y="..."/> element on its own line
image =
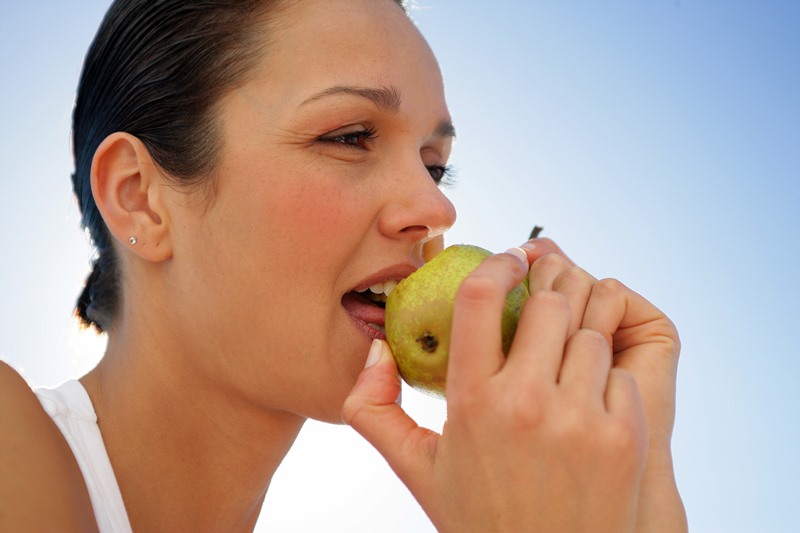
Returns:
<point x="188" y="454"/>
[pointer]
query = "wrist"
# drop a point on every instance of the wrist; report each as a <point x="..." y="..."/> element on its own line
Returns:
<point x="660" y="506"/>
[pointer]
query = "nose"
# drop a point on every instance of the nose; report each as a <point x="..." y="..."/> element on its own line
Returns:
<point x="417" y="209"/>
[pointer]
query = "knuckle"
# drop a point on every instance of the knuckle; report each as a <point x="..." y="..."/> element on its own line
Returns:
<point x="591" y="339"/>
<point x="546" y="243"/>
<point x="625" y="378"/>
<point x="609" y="287"/>
<point x="624" y="441"/>
<point x="549" y="262"/>
<point x="352" y="408"/>
<point x="573" y="424"/>
<point x="526" y="415"/>
<point x="671" y="337"/>
<point x="623" y="436"/>
<point x="551" y="300"/>
<point x="572" y="276"/>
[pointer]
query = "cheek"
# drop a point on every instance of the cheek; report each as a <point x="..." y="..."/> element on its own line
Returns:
<point x="294" y="222"/>
<point x="316" y="219"/>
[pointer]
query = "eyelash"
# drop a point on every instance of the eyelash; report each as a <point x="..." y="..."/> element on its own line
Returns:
<point x="361" y="138"/>
<point x="445" y="175"/>
<point x="442" y="175"/>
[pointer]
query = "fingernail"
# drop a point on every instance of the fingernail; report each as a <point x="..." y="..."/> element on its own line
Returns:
<point x="519" y="253"/>
<point x="530" y="246"/>
<point x="374" y="353"/>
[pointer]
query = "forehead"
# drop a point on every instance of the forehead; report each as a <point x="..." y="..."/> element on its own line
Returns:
<point x="316" y="44"/>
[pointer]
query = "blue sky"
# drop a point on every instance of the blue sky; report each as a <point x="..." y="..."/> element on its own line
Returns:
<point x="658" y="142"/>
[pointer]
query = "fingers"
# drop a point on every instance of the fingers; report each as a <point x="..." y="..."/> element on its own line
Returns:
<point x="371" y="409"/>
<point x="556" y="273"/>
<point x="585" y="371"/>
<point x="618" y="312"/>
<point x="537" y="248"/>
<point x="475" y="345"/>
<point x="606" y="308"/>
<point x="564" y="301"/>
<point x="624" y="402"/>
<point x="622" y="397"/>
<point x="646" y="345"/>
<point x="538" y="348"/>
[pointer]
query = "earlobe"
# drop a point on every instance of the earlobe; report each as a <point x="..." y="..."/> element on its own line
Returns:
<point x="126" y="184"/>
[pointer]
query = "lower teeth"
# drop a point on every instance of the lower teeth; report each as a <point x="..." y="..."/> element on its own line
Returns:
<point x="376" y="326"/>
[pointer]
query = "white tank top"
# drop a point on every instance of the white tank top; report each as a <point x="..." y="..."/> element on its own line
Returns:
<point x="71" y="409"/>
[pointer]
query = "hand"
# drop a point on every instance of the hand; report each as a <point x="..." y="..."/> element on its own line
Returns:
<point x="553" y="438"/>
<point x="646" y="344"/>
<point x="644" y="341"/>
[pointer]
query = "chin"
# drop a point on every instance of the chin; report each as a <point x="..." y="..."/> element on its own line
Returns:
<point x="330" y="412"/>
<point x="330" y="397"/>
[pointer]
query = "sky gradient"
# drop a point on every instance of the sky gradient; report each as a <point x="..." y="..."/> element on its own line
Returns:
<point x="658" y="142"/>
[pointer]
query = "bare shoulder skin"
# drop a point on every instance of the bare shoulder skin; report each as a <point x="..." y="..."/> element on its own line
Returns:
<point x="41" y="487"/>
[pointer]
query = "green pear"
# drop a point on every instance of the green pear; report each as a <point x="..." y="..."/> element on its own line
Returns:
<point x="419" y="315"/>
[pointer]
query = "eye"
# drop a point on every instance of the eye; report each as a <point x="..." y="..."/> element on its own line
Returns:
<point x="442" y="174"/>
<point x="353" y="139"/>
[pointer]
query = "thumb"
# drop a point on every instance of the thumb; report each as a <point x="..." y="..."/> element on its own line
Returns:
<point x="372" y="410"/>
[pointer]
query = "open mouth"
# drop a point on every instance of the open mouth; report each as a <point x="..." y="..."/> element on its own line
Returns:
<point x="378" y="293"/>
<point x="366" y="307"/>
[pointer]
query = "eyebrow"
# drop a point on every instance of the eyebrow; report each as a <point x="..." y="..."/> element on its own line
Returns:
<point x="383" y="97"/>
<point x="445" y="129"/>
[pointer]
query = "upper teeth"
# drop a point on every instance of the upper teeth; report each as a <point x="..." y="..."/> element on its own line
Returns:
<point x="382" y="288"/>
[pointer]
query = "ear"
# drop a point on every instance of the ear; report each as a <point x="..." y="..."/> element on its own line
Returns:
<point x="128" y="190"/>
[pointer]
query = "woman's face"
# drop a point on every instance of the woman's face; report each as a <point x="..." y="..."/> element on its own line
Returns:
<point x="327" y="184"/>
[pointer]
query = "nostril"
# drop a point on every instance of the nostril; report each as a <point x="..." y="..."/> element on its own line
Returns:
<point x="416" y="232"/>
<point x="417" y="229"/>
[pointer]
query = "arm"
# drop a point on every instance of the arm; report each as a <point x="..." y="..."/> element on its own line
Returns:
<point x="41" y="486"/>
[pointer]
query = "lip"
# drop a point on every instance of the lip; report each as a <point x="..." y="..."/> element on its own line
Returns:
<point x="394" y="273"/>
<point x="362" y="312"/>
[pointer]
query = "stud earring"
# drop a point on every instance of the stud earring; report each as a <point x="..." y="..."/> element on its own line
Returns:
<point x="133" y="239"/>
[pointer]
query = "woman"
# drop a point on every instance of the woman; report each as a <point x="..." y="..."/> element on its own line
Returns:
<point x="244" y="168"/>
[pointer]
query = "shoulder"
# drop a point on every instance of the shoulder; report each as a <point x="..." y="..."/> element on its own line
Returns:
<point x="41" y="487"/>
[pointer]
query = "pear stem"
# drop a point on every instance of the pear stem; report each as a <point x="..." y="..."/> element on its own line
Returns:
<point x="535" y="232"/>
